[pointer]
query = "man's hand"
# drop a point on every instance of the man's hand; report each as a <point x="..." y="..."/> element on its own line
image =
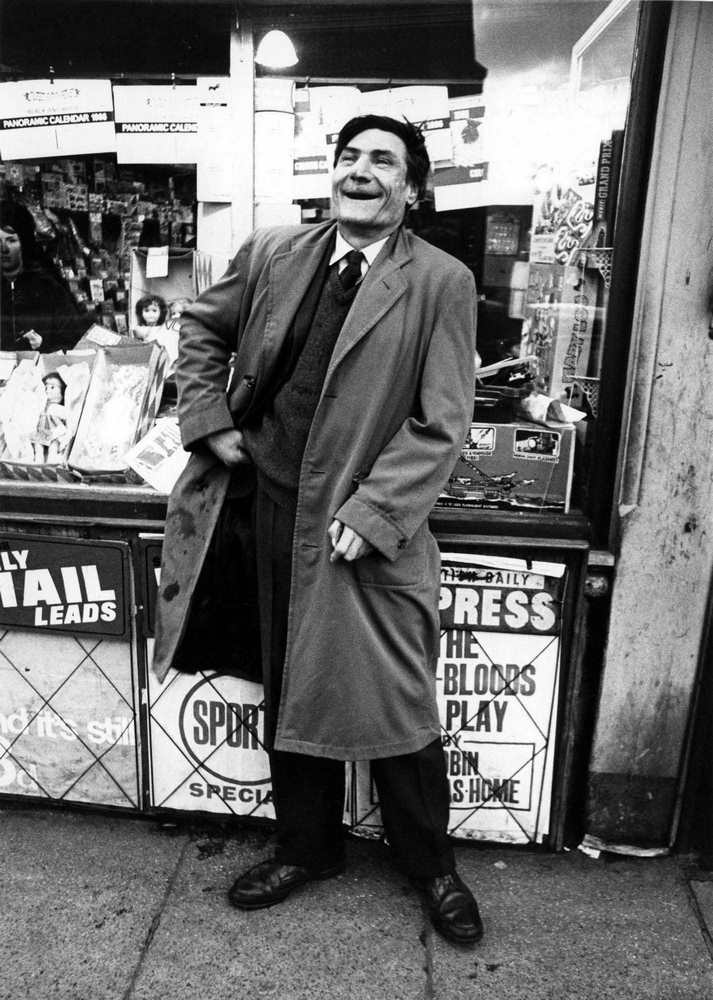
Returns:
<point x="33" y="339"/>
<point x="228" y="447"/>
<point x="346" y="543"/>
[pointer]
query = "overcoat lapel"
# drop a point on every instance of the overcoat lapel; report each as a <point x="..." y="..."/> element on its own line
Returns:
<point x="290" y="275"/>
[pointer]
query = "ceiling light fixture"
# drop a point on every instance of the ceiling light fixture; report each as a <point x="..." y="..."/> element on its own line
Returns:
<point x="276" y="51"/>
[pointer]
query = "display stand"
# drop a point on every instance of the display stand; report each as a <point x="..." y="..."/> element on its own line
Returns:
<point x="194" y="743"/>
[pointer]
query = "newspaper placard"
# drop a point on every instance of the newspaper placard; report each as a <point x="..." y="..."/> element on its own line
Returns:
<point x="67" y="586"/>
<point x="156" y="124"/>
<point x="47" y="118"/>
<point x="497" y="684"/>
<point x="497" y="687"/>
<point x="67" y="719"/>
<point x="206" y="734"/>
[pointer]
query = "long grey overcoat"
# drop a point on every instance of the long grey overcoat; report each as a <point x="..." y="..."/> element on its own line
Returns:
<point x="393" y="413"/>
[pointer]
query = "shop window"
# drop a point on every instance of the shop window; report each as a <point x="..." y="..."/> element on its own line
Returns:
<point x="92" y="213"/>
<point x="526" y="142"/>
<point x="524" y="106"/>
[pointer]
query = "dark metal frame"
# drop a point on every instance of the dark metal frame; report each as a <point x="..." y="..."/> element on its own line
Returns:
<point x="650" y="47"/>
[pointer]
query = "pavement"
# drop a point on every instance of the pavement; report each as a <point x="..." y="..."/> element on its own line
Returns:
<point x="110" y="907"/>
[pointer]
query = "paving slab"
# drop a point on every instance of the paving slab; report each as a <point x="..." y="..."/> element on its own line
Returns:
<point x="358" y="936"/>
<point x="702" y="889"/>
<point x="79" y="895"/>
<point x="98" y="907"/>
<point x="568" y="927"/>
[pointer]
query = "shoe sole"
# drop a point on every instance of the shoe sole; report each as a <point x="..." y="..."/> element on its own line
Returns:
<point x="454" y="939"/>
<point x="265" y="904"/>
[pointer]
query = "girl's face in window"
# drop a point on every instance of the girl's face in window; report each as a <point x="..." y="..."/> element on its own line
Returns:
<point x="151" y="314"/>
<point x="10" y="251"/>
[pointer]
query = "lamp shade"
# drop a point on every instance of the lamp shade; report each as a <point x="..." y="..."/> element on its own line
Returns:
<point x="276" y="51"/>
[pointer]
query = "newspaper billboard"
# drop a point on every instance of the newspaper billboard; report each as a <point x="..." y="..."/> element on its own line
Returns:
<point x="67" y="585"/>
<point x="68" y="718"/>
<point x="206" y="744"/>
<point x="497" y="687"/>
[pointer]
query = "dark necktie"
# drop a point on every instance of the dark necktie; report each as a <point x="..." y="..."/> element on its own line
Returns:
<point x="351" y="274"/>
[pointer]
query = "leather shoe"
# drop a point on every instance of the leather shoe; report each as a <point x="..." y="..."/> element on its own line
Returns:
<point x="271" y="881"/>
<point x="452" y="908"/>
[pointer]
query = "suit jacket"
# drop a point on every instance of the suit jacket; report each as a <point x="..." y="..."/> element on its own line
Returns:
<point x="395" y="406"/>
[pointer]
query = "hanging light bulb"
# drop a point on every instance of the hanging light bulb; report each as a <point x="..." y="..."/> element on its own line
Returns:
<point x="276" y="51"/>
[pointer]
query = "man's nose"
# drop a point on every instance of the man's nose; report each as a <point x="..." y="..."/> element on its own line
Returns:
<point x="361" y="167"/>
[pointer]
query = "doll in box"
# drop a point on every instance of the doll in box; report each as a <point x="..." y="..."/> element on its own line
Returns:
<point x="175" y="311"/>
<point x="151" y="313"/>
<point x="51" y="436"/>
<point x="150" y="316"/>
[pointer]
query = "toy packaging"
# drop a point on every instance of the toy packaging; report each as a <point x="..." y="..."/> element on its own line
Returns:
<point x="520" y="465"/>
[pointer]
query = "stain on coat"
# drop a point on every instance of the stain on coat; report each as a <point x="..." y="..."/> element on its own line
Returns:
<point x="186" y="522"/>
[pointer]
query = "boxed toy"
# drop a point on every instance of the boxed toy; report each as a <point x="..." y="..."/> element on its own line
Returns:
<point x="560" y="313"/>
<point x="164" y="277"/>
<point x="40" y="406"/>
<point x="9" y="360"/>
<point x="121" y="404"/>
<point x="518" y="465"/>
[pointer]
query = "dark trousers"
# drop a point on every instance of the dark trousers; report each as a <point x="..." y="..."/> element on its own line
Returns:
<point x="308" y="792"/>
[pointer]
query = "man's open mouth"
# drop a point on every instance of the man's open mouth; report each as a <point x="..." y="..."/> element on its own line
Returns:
<point x="360" y="195"/>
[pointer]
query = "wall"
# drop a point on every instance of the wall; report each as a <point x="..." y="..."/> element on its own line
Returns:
<point x="666" y="487"/>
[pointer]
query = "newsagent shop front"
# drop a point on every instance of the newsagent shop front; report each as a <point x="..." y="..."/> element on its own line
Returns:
<point x="143" y="169"/>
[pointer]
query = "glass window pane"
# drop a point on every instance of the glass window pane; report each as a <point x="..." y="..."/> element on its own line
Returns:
<point x="526" y="160"/>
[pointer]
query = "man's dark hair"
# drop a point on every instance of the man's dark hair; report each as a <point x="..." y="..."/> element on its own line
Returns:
<point x="417" y="160"/>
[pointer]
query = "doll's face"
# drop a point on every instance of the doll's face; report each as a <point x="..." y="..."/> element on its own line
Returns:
<point x="150" y="314"/>
<point x="53" y="390"/>
<point x="175" y="310"/>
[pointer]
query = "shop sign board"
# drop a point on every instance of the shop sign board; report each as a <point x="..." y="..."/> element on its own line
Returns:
<point x="206" y="744"/>
<point x="72" y="585"/>
<point x="67" y="718"/>
<point x="497" y="687"/>
<point x="48" y="118"/>
<point x="156" y="123"/>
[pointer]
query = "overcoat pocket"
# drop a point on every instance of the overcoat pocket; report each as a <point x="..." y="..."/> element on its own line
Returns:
<point x="409" y="570"/>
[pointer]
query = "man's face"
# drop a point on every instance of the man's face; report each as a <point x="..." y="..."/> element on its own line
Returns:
<point x="10" y="252"/>
<point x="370" y="190"/>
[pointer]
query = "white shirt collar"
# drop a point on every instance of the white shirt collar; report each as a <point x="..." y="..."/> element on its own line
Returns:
<point x="342" y="248"/>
